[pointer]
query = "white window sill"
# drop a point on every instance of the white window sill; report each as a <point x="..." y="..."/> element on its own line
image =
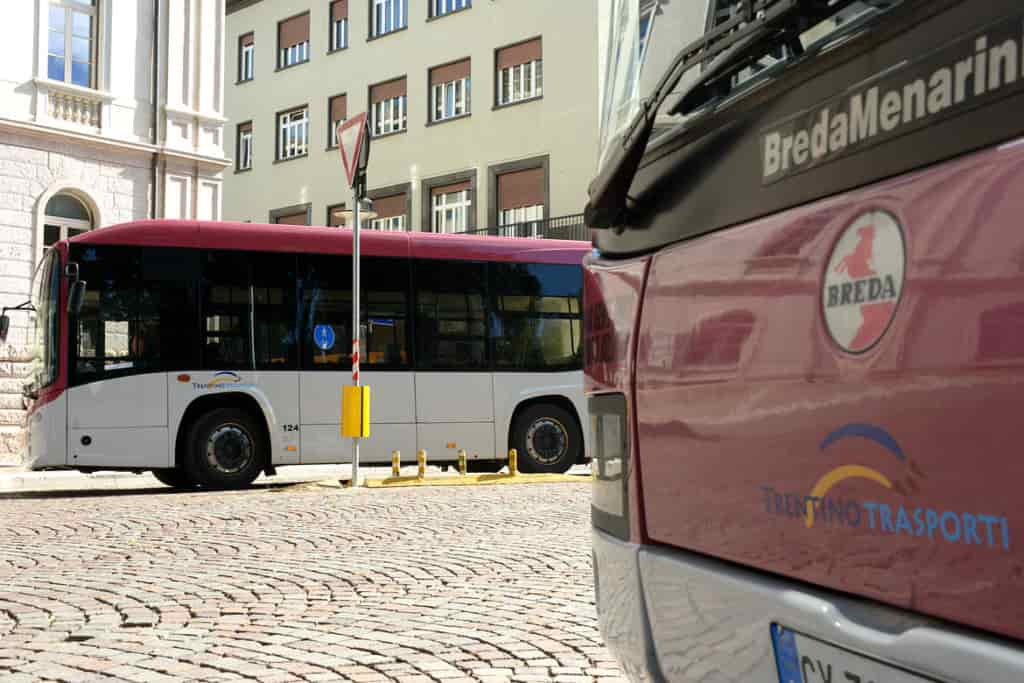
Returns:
<point x="70" y="89"/>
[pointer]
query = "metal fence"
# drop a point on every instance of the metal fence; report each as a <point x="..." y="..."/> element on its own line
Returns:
<point x="558" y="228"/>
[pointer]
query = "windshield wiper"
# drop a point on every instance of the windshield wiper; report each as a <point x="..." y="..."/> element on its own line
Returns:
<point x="758" y="27"/>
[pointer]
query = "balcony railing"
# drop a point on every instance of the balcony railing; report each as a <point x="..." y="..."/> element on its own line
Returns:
<point x="558" y="228"/>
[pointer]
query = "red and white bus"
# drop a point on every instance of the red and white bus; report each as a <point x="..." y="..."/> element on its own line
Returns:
<point x="210" y="352"/>
<point x="804" y="341"/>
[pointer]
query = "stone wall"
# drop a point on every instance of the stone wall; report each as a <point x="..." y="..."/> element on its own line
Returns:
<point x="116" y="187"/>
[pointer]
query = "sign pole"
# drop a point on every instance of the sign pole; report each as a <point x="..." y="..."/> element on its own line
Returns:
<point x="355" y="321"/>
<point x="355" y="154"/>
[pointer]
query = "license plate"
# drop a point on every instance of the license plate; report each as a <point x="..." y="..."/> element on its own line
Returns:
<point x="802" y="659"/>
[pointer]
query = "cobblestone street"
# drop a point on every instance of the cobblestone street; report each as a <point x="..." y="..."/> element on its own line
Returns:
<point x="301" y="582"/>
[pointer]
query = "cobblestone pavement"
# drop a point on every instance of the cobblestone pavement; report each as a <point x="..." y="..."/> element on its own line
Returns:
<point x="300" y="583"/>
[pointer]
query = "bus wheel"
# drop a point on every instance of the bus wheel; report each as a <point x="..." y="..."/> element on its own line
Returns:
<point x="547" y="439"/>
<point x="175" y="478"/>
<point x="226" y="449"/>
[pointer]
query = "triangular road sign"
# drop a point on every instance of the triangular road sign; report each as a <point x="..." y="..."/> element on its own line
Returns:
<point x="351" y="138"/>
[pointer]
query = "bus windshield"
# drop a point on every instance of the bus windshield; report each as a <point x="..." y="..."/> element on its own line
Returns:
<point x="46" y="300"/>
<point x="645" y="39"/>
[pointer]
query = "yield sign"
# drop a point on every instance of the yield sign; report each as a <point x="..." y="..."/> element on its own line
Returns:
<point x="351" y="138"/>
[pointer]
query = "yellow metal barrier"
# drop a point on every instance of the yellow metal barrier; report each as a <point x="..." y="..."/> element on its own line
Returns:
<point x="396" y="463"/>
<point x="421" y="462"/>
<point x="462" y="461"/>
<point x="513" y="462"/>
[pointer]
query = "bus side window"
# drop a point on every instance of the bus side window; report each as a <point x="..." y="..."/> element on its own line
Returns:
<point x="451" y="314"/>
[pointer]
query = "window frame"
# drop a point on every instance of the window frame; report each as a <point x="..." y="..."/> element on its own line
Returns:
<point x="372" y="34"/>
<point x="543" y="162"/>
<point x="279" y="132"/>
<point x="399" y="103"/>
<point x="283" y="52"/>
<point x="92" y="11"/>
<point x="432" y="6"/>
<point x="466" y="100"/>
<point x="332" y="43"/>
<point x="245" y="59"/>
<point x="517" y="74"/>
<point x="240" y="146"/>
<point x="332" y="127"/>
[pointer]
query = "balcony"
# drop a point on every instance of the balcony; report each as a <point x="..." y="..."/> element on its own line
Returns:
<point x="569" y="227"/>
<point x="64" y="103"/>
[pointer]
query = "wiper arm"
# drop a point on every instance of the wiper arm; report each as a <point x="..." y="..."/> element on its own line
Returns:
<point x="759" y="27"/>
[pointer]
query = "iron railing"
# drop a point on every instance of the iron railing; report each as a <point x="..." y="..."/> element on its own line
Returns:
<point x="558" y="228"/>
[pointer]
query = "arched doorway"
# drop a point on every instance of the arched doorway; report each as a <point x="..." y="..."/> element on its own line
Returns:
<point x="65" y="216"/>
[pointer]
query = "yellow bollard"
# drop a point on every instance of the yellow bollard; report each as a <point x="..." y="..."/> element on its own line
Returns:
<point x="462" y="461"/>
<point x="396" y="463"/>
<point x="421" y="460"/>
<point x="513" y="462"/>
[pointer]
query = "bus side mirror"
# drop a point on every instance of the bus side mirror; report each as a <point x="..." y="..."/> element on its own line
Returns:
<point x="76" y="296"/>
<point x="5" y="324"/>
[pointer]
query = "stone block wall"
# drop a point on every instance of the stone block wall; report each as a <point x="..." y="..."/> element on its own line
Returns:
<point x="114" y="184"/>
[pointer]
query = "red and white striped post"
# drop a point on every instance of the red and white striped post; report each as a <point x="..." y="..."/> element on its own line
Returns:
<point x="355" y="323"/>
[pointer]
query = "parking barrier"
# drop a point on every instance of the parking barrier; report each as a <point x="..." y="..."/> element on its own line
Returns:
<point x="462" y="461"/>
<point x="513" y="462"/>
<point x="396" y="463"/>
<point x="421" y="461"/>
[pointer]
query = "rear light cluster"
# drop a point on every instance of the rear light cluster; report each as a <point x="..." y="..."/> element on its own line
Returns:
<point x="609" y="448"/>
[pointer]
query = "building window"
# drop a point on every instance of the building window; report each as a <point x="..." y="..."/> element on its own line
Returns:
<point x="391" y="213"/>
<point x="520" y="72"/>
<point x="246" y="57"/>
<point x="450" y="208"/>
<point x="388" y="111"/>
<point x="439" y="8"/>
<point x="243" y="153"/>
<point x="64" y="217"/>
<point x="293" y="133"/>
<point x="71" y="46"/>
<point x="339" y="25"/>
<point x="335" y="216"/>
<point x="521" y="203"/>
<point x="337" y="111"/>
<point x="296" y="216"/>
<point x="388" y="16"/>
<point x="449" y="91"/>
<point x="293" y="41"/>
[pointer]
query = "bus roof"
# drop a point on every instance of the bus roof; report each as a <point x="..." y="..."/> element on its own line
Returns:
<point x="323" y="240"/>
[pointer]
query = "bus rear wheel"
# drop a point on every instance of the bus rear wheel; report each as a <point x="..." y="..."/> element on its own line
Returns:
<point x="547" y="438"/>
<point x="226" y="449"/>
<point x="175" y="478"/>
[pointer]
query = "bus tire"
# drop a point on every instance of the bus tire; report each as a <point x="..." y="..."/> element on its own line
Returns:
<point x="226" y="449"/>
<point x="175" y="478"/>
<point x="547" y="438"/>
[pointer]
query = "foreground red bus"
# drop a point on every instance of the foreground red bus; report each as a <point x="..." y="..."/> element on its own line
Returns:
<point x="209" y="352"/>
<point x="804" y="341"/>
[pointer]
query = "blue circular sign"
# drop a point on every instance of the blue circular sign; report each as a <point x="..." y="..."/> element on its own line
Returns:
<point x="323" y="335"/>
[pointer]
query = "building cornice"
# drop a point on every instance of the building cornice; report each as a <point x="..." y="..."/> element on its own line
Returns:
<point x="141" y="148"/>
<point x="205" y="117"/>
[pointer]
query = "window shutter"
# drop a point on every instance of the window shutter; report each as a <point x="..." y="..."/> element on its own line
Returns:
<point x="245" y="127"/>
<point x="339" y="10"/>
<point x="520" y="53"/>
<point x="385" y="91"/>
<point x="521" y="188"/>
<point x="293" y="31"/>
<point x="446" y="189"/>
<point x="449" y="72"/>
<point x="248" y="39"/>
<point x="339" y="108"/>
<point x="387" y="207"/>
<point x="292" y="219"/>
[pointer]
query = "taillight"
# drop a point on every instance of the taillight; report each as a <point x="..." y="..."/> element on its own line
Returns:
<point x="609" y="448"/>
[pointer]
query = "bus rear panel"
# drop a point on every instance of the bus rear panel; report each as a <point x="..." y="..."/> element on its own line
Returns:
<point x="805" y="356"/>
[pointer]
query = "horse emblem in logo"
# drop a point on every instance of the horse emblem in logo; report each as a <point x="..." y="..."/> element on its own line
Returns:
<point x="864" y="281"/>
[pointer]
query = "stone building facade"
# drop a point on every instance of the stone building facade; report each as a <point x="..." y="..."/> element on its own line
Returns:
<point x="104" y="117"/>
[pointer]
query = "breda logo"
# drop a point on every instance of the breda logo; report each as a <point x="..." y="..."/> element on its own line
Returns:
<point x="864" y="281"/>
